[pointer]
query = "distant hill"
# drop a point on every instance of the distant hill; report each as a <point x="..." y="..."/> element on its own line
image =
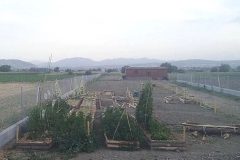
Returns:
<point x="204" y="63"/>
<point x="79" y="62"/>
<point x="16" y="64"/>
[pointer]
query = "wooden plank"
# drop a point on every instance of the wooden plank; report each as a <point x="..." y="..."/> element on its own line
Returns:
<point x="167" y="144"/>
<point x="169" y="148"/>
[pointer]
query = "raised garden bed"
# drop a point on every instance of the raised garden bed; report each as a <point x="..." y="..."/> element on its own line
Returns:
<point x="37" y="145"/>
<point x="122" y="129"/>
<point x="75" y="103"/>
<point x="120" y="144"/>
<point x="213" y="129"/>
<point x="186" y="100"/>
<point x="175" y="144"/>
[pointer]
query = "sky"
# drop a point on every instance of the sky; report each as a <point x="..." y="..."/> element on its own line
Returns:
<point x="106" y="29"/>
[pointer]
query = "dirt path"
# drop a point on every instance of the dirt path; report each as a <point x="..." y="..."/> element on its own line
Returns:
<point x="224" y="106"/>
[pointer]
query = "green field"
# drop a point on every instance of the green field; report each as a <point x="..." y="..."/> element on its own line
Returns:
<point x="33" y="77"/>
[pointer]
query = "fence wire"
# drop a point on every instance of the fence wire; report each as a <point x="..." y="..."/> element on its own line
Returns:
<point x="231" y="82"/>
<point x="16" y="101"/>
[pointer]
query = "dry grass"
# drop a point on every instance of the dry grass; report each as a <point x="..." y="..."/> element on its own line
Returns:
<point x="10" y="102"/>
<point x="10" y="89"/>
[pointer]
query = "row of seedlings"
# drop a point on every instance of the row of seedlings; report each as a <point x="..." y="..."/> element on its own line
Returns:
<point x="158" y="135"/>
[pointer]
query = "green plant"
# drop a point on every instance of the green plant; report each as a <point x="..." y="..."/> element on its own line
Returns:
<point x="72" y="135"/>
<point x="144" y="108"/>
<point x="144" y="116"/>
<point x="159" y="131"/>
<point x="119" y="126"/>
<point x="69" y="131"/>
<point x="42" y="125"/>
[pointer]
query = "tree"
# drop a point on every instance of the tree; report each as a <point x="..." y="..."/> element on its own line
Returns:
<point x="111" y="70"/>
<point x="238" y="68"/>
<point x="88" y="72"/>
<point x="56" y="69"/>
<point x="5" y="68"/>
<point x="171" y="68"/>
<point x="224" y="68"/>
<point x="214" y="69"/>
<point x="123" y="69"/>
<point x="69" y="71"/>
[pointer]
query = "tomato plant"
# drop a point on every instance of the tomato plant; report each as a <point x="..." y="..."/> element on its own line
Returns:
<point x="144" y="116"/>
<point x="69" y="131"/>
<point x="118" y="125"/>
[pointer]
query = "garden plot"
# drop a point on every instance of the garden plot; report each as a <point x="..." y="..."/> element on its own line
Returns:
<point x="175" y="113"/>
<point x="88" y="105"/>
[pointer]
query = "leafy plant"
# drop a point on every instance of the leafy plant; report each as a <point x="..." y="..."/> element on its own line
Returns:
<point x="69" y="131"/>
<point x="144" y="109"/>
<point x="72" y="135"/>
<point x="144" y="115"/>
<point x="118" y="125"/>
<point x="159" y="131"/>
<point x="42" y="125"/>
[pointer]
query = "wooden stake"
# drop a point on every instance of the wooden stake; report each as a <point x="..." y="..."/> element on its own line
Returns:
<point x="197" y="100"/>
<point x="184" y="93"/>
<point x="215" y="107"/>
<point x="17" y="133"/>
<point x="184" y="133"/>
<point x="88" y="129"/>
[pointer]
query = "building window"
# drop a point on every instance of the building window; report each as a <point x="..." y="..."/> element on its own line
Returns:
<point x="136" y="71"/>
<point x="148" y="73"/>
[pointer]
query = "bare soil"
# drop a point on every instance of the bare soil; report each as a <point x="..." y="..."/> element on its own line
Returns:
<point x="173" y="114"/>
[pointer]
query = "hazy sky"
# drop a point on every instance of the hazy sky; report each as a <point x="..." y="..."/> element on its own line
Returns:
<point x="103" y="29"/>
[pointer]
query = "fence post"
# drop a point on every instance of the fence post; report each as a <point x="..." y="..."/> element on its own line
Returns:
<point x="38" y="95"/>
<point x="219" y="82"/>
<point x="22" y="109"/>
<point x="227" y="82"/>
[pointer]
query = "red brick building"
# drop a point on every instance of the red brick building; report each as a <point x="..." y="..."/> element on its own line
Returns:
<point x="146" y="73"/>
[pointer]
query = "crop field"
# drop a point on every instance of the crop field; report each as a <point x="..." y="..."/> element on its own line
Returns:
<point x="173" y="115"/>
<point x="33" y="77"/>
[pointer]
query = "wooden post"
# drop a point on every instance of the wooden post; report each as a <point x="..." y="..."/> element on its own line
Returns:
<point x="88" y="129"/>
<point x="184" y="93"/>
<point x="184" y="133"/>
<point x="17" y="133"/>
<point x="215" y="107"/>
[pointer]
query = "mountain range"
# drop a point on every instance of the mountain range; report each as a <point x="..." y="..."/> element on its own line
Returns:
<point x="16" y="64"/>
<point x="79" y="62"/>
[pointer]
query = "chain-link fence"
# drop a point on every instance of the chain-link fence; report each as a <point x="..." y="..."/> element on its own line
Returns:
<point x="222" y="82"/>
<point x="17" y="99"/>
